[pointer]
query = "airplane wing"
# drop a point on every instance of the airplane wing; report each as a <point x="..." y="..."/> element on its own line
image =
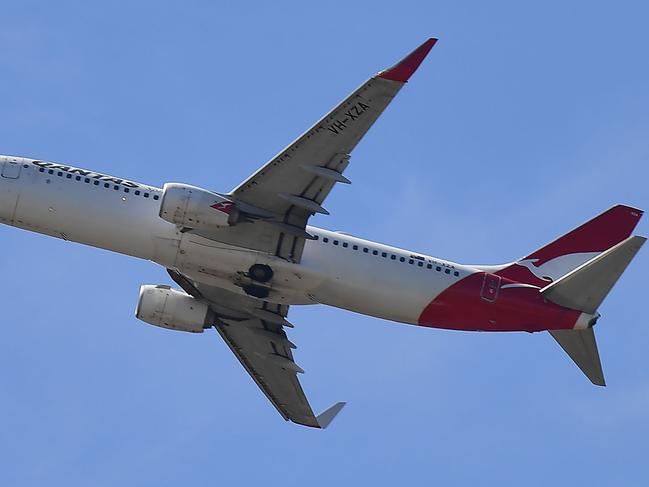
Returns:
<point x="254" y="331"/>
<point x="293" y="185"/>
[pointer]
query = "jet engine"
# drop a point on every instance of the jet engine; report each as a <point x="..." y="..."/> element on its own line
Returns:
<point x="173" y="309"/>
<point x="193" y="208"/>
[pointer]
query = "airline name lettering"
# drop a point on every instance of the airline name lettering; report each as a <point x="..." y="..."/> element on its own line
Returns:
<point x="83" y="172"/>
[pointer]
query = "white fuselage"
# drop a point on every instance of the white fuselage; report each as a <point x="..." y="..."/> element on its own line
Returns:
<point x="122" y="216"/>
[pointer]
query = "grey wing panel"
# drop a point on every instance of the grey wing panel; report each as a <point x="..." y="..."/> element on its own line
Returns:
<point x="269" y="362"/>
<point x="310" y="167"/>
<point x="312" y="164"/>
<point x="294" y="183"/>
<point x="298" y="169"/>
<point x="254" y="332"/>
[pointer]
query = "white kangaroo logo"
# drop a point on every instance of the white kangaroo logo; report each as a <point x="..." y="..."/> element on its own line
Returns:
<point x="559" y="266"/>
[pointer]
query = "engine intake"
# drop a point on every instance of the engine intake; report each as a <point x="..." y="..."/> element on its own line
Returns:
<point x="194" y="208"/>
<point x="173" y="309"/>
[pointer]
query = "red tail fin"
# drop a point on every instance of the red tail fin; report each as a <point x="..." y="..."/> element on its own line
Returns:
<point x="574" y="248"/>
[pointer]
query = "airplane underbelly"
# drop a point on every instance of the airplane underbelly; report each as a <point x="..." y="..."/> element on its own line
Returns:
<point x="226" y="266"/>
<point x="388" y="290"/>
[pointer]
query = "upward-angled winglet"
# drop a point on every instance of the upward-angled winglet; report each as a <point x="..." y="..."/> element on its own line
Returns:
<point x="325" y="418"/>
<point x="403" y="70"/>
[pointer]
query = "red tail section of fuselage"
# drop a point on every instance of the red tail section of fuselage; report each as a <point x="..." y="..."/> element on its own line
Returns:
<point x="509" y="300"/>
<point x="487" y="302"/>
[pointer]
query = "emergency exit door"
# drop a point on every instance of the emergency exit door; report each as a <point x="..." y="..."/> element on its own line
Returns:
<point x="490" y="287"/>
<point x="11" y="167"/>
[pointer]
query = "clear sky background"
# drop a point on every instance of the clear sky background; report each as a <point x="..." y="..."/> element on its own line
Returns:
<point x="527" y="119"/>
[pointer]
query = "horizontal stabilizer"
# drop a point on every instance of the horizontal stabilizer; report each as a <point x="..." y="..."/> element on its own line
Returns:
<point x="585" y="288"/>
<point x="325" y="418"/>
<point x="581" y="346"/>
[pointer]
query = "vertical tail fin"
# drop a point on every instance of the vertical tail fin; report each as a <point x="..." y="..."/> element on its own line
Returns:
<point x="573" y="249"/>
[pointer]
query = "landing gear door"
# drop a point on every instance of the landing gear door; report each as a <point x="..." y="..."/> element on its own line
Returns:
<point x="490" y="287"/>
<point x="11" y="167"/>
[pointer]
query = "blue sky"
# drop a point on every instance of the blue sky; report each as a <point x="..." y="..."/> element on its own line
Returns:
<point x="526" y="120"/>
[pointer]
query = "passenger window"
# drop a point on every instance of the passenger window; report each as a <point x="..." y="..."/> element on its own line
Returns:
<point x="355" y="247"/>
<point x="87" y="180"/>
<point x="447" y="271"/>
<point x="366" y="250"/>
<point x="325" y="240"/>
<point x="146" y="195"/>
<point x="59" y="174"/>
<point x="438" y="268"/>
<point x="50" y="171"/>
<point x="95" y="182"/>
<point x="137" y="192"/>
<point x="40" y="169"/>
<point x="375" y="252"/>
<point x="402" y="259"/>
<point x="429" y="266"/>
<point x="315" y="237"/>
<point x="456" y="273"/>
<point x="78" y="178"/>
<point x="420" y="264"/>
<point x="384" y="254"/>
<point x="106" y="185"/>
<point x="156" y="197"/>
<point x="115" y="187"/>
<point x="69" y="176"/>
<point x="393" y="257"/>
<point x="335" y="242"/>
<point x="410" y="261"/>
<point x="126" y="190"/>
<point x="345" y="244"/>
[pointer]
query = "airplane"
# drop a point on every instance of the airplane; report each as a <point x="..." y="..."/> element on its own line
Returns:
<point x="241" y="258"/>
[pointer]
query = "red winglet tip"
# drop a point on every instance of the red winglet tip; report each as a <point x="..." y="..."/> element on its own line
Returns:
<point x="403" y="70"/>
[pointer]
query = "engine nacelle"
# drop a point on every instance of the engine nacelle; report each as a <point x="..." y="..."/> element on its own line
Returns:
<point x="173" y="309"/>
<point x="190" y="207"/>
